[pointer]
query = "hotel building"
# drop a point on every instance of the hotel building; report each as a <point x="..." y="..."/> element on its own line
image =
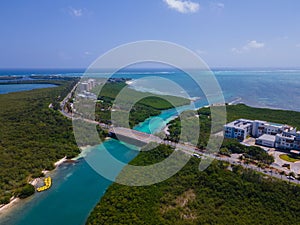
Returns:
<point x="267" y="134"/>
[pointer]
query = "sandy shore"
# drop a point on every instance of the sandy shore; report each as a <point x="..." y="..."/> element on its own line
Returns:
<point x="35" y="181"/>
<point x="14" y="201"/>
<point x="166" y="130"/>
<point x="5" y="208"/>
<point x="61" y="161"/>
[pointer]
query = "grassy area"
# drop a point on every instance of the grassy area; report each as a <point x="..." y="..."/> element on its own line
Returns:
<point x="146" y="107"/>
<point x="213" y="196"/>
<point x="289" y="158"/>
<point x="32" y="137"/>
<point x="234" y="112"/>
<point x="271" y="115"/>
<point x="161" y="102"/>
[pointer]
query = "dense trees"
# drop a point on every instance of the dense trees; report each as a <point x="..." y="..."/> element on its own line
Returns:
<point x="214" y="196"/>
<point x="251" y="152"/>
<point x="235" y="112"/>
<point x="32" y="137"/>
<point x="148" y="105"/>
<point x="25" y="191"/>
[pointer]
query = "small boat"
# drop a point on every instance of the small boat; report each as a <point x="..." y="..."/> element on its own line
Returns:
<point x="48" y="183"/>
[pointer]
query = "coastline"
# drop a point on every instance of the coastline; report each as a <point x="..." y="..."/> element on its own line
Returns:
<point x="15" y="201"/>
<point x="6" y="207"/>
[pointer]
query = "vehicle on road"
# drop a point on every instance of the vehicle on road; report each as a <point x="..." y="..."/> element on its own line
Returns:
<point x="196" y="155"/>
<point x="290" y="177"/>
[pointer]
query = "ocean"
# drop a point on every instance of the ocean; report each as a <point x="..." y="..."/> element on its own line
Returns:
<point x="77" y="188"/>
<point x="271" y="88"/>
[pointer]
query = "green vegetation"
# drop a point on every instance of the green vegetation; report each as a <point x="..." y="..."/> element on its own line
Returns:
<point x="32" y="137"/>
<point x="272" y="115"/>
<point x="234" y="112"/>
<point x="289" y="158"/>
<point x="213" y="196"/>
<point x="25" y="191"/>
<point x="250" y="152"/>
<point x="205" y="125"/>
<point x="146" y="107"/>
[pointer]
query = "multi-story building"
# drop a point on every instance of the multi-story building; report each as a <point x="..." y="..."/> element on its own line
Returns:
<point x="238" y="129"/>
<point x="262" y="127"/>
<point x="87" y="85"/>
<point x="266" y="133"/>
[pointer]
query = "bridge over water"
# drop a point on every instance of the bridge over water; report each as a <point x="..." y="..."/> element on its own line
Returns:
<point x="132" y="136"/>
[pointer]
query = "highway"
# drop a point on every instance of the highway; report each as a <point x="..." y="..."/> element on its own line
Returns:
<point x="187" y="148"/>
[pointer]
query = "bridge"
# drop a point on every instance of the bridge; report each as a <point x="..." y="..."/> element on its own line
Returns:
<point x="132" y="136"/>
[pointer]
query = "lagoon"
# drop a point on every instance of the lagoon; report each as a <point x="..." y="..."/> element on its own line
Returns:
<point x="77" y="188"/>
<point x="9" y="88"/>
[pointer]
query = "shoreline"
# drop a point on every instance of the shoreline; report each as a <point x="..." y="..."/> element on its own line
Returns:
<point x="6" y="207"/>
<point x="14" y="202"/>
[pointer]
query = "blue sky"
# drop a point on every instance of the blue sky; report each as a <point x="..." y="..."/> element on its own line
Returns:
<point x="225" y="33"/>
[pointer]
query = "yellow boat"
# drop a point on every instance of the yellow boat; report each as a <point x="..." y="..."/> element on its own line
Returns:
<point x="48" y="183"/>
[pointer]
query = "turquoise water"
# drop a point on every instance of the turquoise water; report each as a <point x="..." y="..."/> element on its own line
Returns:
<point x="75" y="191"/>
<point x="77" y="188"/>
<point x="4" y="89"/>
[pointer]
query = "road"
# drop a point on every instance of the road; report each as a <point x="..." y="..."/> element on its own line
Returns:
<point x="189" y="149"/>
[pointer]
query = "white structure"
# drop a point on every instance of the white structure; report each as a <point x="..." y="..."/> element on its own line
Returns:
<point x="266" y="140"/>
<point x="238" y="129"/>
<point x="87" y="85"/>
<point x="266" y="133"/>
<point x="263" y="127"/>
<point x="84" y="86"/>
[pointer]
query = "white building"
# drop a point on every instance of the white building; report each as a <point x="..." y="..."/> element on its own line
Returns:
<point x="262" y="127"/>
<point x="266" y="140"/>
<point x="238" y="129"/>
<point x="87" y="85"/>
<point x="266" y="133"/>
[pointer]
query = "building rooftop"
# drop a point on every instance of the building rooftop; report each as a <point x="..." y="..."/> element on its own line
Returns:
<point x="286" y="136"/>
<point x="267" y="137"/>
<point x="270" y="123"/>
<point x="241" y="123"/>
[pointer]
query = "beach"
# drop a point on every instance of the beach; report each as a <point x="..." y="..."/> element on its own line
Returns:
<point x="15" y="201"/>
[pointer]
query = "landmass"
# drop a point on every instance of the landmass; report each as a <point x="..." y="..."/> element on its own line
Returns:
<point x="233" y="190"/>
<point x="36" y="135"/>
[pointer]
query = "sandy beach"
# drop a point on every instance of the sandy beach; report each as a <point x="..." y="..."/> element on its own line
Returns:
<point x="5" y="208"/>
<point x="166" y="130"/>
<point x="14" y="201"/>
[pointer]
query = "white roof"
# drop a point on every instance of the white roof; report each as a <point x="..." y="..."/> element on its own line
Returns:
<point x="267" y="137"/>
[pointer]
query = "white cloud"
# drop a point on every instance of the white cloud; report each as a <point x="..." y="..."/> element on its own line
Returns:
<point x="250" y="45"/>
<point x="217" y="5"/>
<point x="254" y="44"/>
<point x="183" y="6"/>
<point x="75" y="12"/>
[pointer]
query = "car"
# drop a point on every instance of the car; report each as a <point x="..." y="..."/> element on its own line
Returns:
<point x="290" y="177"/>
<point x="196" y="155"/>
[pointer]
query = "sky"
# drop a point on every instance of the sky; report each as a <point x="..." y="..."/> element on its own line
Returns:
<point x="225" y="33"/>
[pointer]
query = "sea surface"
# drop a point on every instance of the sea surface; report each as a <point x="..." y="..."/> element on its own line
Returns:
<point x="272" y="88"/>
<point x="77" y="188"/>
<point x="4" y="89"/>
